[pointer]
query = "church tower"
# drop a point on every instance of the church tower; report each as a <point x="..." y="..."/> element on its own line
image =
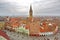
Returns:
<point x="30" y="18"/>
<point x="30" y="12"/>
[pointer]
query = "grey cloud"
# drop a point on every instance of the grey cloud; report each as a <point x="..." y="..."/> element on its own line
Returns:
<point x="40" y="8"/>
<point x="9" y="9"/>
<point x="48" y="9"/>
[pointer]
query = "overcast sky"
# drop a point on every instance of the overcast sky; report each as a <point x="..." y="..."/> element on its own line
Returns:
<point x="40" y="7"/>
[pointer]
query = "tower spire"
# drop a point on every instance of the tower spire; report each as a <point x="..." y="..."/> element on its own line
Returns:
<point x="30" y="12"/>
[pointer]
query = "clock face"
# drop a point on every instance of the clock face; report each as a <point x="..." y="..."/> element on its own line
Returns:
<point x="3" y="36"/>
